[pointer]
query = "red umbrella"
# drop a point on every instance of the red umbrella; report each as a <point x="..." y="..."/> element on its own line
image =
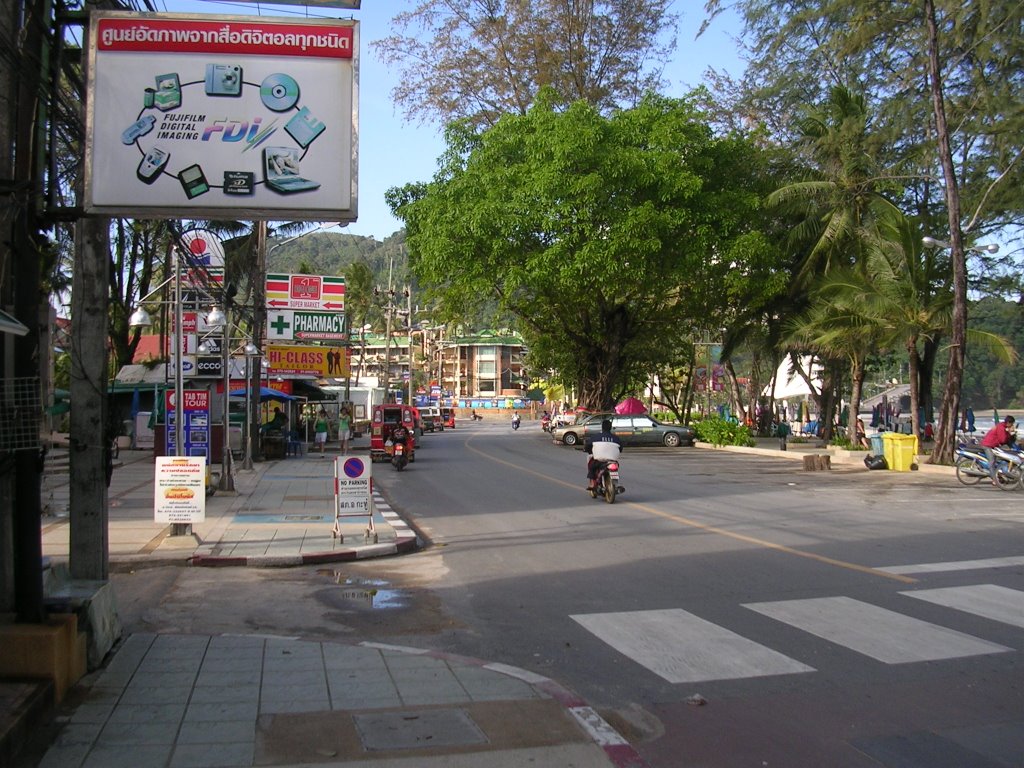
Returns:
<point x="630" y="406"/>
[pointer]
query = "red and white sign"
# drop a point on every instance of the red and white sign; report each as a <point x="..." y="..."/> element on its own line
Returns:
<point x="225" y="36"/>
<point x="314" y="292"/>
<point x="191" y="399"/>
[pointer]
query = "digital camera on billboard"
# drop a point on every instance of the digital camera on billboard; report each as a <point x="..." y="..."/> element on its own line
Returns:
<point x="223" y="80"/>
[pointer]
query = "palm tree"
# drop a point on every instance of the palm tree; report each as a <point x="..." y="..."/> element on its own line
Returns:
<point x="844" y="196"/>
<point x="900" y="299"/>
<point x="837" y="209"/>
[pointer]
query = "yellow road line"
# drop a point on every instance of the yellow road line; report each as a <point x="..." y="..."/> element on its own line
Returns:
<point x="711" y="528"/>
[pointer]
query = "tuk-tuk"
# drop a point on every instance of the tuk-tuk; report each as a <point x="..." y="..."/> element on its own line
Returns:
<point x="448" y="418"/>
<point x="385" y="418"/>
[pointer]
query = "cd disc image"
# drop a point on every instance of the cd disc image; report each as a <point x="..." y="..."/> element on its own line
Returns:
<point x="279" y="92"/>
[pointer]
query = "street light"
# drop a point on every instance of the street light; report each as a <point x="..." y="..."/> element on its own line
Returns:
<point x="250" y="351"/>
<point x="140" y="318"/>
<point x="218" y="318"/>
<point x="931" y="242"/>
<point x="322" y="227"/>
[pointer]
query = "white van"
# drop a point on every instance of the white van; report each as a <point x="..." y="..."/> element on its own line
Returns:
<point x="430" y="419"/>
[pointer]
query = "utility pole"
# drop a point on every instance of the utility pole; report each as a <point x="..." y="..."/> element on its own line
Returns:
<point x="28" y="24"/>
<point x="258" y="283"/>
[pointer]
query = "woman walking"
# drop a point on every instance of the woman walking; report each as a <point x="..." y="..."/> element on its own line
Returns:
<point x="344" y="428"/>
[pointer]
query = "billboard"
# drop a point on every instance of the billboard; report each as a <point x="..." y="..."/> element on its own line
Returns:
<point x="222" y="116"/>
<point x="320" y="362"/>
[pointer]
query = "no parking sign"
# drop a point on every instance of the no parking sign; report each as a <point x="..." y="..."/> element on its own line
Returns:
<point x="352" y="485"/>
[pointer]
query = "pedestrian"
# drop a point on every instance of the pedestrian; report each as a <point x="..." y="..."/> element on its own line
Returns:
<point x="783" y="432"/>
<point x="344" y="428"/>
<point x="320" y="428"/>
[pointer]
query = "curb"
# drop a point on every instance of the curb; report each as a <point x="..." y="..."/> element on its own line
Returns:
<point x="616" y="748"/>
<point x="405" y="542"/>
<point x="845" y="459"/>
<point x="399" y="546"/>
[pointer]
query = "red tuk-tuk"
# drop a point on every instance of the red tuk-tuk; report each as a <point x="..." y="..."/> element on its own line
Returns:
<point x="448" y="417"/>
<point x="385" y="418"/>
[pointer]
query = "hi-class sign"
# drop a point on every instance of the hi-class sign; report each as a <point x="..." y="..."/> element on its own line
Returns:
<point x="292" y="325"/>
<point x="311" y="292"/>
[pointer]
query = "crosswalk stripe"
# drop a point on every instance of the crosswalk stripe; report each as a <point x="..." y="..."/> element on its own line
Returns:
<point x="883" y="635"/>
<point x="955" y="565"/>
<point x="989" y="601"/>
<point x="683" y="648"/>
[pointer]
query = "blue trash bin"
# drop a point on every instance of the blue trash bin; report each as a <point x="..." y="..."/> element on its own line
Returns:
<point x="877" y="446"/>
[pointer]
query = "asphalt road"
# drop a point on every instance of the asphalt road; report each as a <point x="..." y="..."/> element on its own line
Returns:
<point x="728" y="610"/>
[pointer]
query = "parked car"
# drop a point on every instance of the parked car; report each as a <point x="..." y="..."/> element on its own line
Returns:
<point x="431" y="418"/>
<point x="631" y="430"/>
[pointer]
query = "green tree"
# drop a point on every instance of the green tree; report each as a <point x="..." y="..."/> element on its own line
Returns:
<point x="946" y="77"/>
<point x="839" y="207"/>
<point x="606" y="237"/>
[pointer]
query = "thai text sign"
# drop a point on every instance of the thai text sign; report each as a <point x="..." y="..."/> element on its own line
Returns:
<point x="203" y="116"/>
<point x="179" y="491"/>
<point x="310" y="292"/>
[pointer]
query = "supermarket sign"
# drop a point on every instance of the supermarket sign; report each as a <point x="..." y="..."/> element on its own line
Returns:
<point x="309" y="292"/>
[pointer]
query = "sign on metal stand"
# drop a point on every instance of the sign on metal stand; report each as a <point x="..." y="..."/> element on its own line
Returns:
<point x="353" y="483"/>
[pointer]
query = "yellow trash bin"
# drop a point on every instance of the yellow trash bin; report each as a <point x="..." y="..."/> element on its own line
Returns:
<point x="900" y="450"/>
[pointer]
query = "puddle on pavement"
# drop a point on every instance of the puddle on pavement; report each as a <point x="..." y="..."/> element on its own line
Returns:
<point x="367" y="593"/>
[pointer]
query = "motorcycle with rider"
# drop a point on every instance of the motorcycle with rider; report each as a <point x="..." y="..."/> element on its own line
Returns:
<point x="603" y="464"/>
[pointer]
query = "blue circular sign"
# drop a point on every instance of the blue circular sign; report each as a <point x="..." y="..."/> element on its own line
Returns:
<point x="354" y="467"/>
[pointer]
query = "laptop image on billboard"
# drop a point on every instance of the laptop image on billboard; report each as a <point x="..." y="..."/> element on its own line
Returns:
<point x="281" y="171"/>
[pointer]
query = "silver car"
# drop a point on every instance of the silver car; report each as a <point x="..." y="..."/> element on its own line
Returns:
<point x="631" y="430"/>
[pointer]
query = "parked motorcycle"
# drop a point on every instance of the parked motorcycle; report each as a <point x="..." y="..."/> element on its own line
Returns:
<point x="606" y="481"/>
<point x="972" y="466"/>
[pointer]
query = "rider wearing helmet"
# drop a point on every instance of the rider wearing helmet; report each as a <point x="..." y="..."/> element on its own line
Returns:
<point x="602" y="447"/>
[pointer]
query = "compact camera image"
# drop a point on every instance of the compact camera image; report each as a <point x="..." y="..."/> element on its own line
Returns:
<point x="223" y="80"/>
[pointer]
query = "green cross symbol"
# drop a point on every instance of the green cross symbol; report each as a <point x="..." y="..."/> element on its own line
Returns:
<point x="280" y="324"/>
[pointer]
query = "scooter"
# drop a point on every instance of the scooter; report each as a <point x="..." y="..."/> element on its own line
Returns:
<point x="545" y="424"/>
<point x="515" y="422"/>
<point x="606" y="481"/>
<point x="399" y="457"/>
<point x="972" y="466"/>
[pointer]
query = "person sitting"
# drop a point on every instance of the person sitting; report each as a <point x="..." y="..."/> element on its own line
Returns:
<point x="276" y="424"/>
<point x="862" y="437"/>
<point x="401" y="435"/>
<point x="602" y="447"/>
<point x="1001" y="434"/>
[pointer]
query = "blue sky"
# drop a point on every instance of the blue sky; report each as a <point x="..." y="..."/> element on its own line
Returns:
<point x="393" y="153"/>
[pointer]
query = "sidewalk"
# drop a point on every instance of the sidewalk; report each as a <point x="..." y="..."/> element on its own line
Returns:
<point x="188" y="701"/>
<point x="218" y="701"/>
<point x="281" y="513"/>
